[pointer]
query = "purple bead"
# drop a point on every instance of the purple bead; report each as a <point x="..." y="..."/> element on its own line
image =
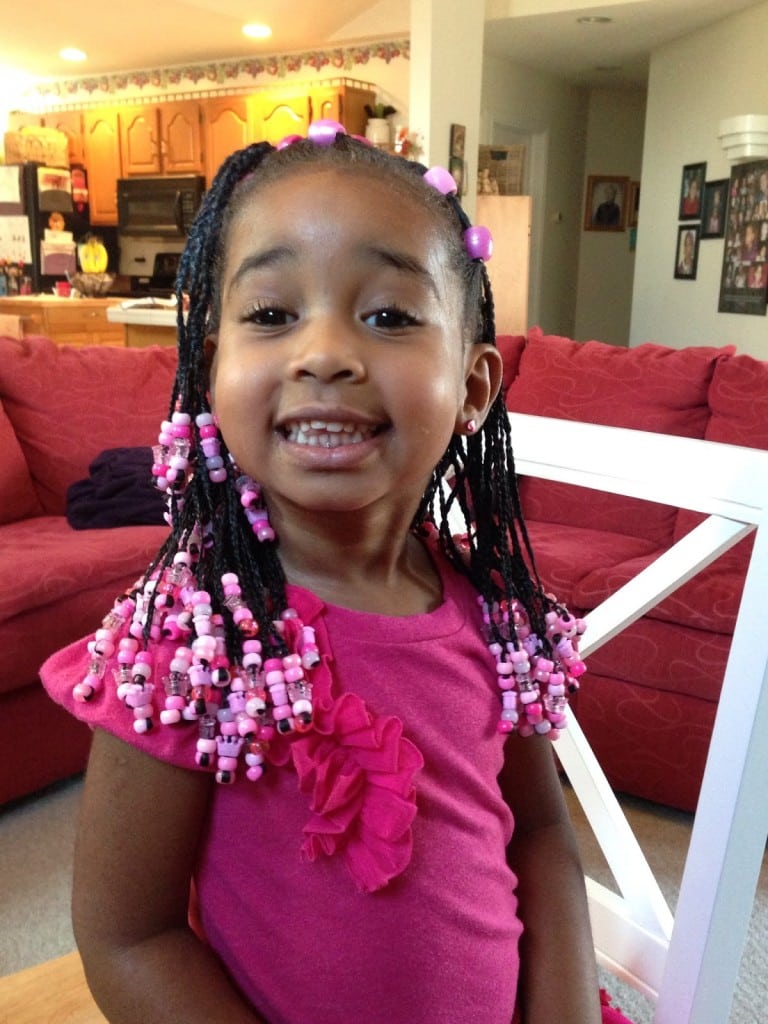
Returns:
<point x="324" y="131"/>
<point x="442" y="180"/>
<point x="478" y="242"/>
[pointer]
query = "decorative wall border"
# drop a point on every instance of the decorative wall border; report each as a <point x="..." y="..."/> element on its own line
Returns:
<point x="220" y="73"/>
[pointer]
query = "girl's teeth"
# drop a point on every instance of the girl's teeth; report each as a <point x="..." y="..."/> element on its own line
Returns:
<point x="319" y="434"/>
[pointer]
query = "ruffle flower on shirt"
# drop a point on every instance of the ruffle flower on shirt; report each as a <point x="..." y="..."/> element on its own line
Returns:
<point x="358" y="771"/>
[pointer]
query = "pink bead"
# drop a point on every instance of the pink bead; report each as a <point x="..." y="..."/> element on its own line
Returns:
<point x="478" y="243"/>
<point x="442" y="180"/>
<point x="254" y="773"/>
<point x="218" y="476"/>
<point x="324" y="131"/>
<point x="505" y="726"/>
<point x="284" y="711"/>
<point x="288" y="140"/>
<point x="170" y="716"/>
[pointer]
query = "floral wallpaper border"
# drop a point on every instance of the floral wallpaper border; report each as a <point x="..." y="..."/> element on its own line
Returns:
<point x="221" y="72"/>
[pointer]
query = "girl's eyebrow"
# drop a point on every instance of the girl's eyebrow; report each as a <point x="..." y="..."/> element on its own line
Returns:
<point x="401" y="261"/>
<point x="258" y="260"/>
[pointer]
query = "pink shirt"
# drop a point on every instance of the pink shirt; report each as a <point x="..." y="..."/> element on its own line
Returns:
<point x="407" y="918"/>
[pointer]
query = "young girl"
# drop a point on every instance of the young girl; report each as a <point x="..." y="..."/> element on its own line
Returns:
<point x="320" y="789"/>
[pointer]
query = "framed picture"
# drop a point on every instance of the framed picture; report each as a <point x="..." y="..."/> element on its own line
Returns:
<point x="458" y="140"/>
<point x="456" y="167"/>
<point x="714" y="209"/>
<point x="744" y="280"/>
<point x="692" y="191"/>
<point x="687" y="252"/>
<point x="633" y="204"/>
<point x="606" y="203"/>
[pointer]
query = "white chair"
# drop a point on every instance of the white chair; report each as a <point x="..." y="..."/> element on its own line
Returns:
<point x="688" y="963"/>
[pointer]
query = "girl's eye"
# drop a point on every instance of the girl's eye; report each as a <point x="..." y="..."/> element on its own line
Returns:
<point x="390" y="318"/>
<point x="269" y="316"/>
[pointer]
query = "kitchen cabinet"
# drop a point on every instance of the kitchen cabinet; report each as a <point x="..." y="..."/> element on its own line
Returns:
<point x="101" y="151"/>
<point x="71" y="123"/>
<point x="65" y="321"/>
<point x="165" y="139"/>
<point x="279" y="113"/>
<point x="344" y="102"/>
<point x="229" y="125"/>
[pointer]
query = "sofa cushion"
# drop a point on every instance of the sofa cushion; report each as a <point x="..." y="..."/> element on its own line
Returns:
<point x="650" y="387"/>
<point x="708" y="601"/>
<point x="738" y="400"/>
<point x="67" y="404"/>
<point x="61" y="585"/>
<point x="566" y="554"/>
<point x="19" y="498"/>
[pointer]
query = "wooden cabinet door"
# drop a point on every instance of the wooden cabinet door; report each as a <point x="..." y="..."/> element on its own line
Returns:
<point x="139" y="140"/>
<point x="181" y="137"/>
<point x="101" y="150"/>
<point x="344" y="103"/>
<point x="228" y="126"/>
<point x="71" y="123"/>
<point x="281" y="114"/>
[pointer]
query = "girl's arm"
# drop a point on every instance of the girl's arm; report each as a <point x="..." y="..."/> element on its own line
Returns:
<point x="558" y="973"/>
<point x="140" y="824"/>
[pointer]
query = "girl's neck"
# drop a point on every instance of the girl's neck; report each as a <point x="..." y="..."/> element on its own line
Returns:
<point x="385" y="571"/>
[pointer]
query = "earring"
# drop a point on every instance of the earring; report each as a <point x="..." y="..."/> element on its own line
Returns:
<point x="471" y="426"/>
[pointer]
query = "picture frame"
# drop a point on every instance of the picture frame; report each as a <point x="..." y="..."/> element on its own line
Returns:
<point x="744" y="278"/>
<point x="605" y="207"/>
<point x="456" y="166"/>
<point x="714" y="209"/>
<point x="458" y="141"/>
<point x="692" y="191"/>
<point x="687" y="251"/>
<point x="633" y="204"/>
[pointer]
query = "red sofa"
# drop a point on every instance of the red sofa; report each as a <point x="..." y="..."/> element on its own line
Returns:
<point x="648" y="701"/>
<point x="59" y="408"/>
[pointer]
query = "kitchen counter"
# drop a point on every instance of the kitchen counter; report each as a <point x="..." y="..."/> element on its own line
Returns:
<point x="66" y="321"/>
<point x="145" y="322"/>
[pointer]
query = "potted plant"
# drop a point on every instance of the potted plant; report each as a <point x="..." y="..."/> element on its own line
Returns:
<point x="377" y="130"/>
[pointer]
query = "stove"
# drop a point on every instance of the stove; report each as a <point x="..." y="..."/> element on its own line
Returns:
<point x="148" y="266"/>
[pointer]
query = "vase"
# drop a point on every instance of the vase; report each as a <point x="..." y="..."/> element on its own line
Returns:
<point x="377" y="131"/>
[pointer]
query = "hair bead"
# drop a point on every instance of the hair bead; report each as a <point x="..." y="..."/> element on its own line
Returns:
<point x="478" y="242"/>
<point x="324" y="131"/>
<point x="442" y="180"/>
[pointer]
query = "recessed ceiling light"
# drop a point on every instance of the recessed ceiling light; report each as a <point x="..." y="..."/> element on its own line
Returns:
<point x="72" y="53"/>
<point x="594" y="20"/>
<point x="256" y="31"/>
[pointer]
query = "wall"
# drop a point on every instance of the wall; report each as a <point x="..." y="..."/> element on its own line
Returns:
<point x="556" y="113"/>
<point x="694" y="82"/>
<point x="606" y="263"/>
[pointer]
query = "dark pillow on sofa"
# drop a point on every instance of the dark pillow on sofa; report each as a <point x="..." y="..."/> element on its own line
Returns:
<point x="119" y="491"/>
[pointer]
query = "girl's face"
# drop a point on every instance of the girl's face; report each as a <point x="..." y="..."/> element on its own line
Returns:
<point x="340" y="370"/>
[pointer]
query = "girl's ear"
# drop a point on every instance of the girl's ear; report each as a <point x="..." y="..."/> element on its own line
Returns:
<point x="482" y="381"/>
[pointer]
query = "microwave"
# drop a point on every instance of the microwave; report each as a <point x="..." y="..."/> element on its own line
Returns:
<point x="158" y="206"/>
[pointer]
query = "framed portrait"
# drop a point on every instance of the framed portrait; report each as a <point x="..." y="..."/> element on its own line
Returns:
<point x="458" y="140"/>
<point x="687" y="251"/>
<point x="606" y="203"/>
<point x="714" y="209"/>
<point x="633" y="204"/>
<point x="692" y="191"/>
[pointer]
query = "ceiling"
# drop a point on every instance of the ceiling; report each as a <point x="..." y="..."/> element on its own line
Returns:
<point x="146" y="34"/>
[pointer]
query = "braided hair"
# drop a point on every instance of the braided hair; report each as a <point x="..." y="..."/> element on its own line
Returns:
<point x="494" y="552"/>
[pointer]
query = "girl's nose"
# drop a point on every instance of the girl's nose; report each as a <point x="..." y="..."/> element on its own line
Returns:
<point x="327" y="353"/>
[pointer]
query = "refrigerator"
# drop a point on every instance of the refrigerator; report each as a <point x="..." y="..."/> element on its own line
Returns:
<point x="43" y="216"/>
